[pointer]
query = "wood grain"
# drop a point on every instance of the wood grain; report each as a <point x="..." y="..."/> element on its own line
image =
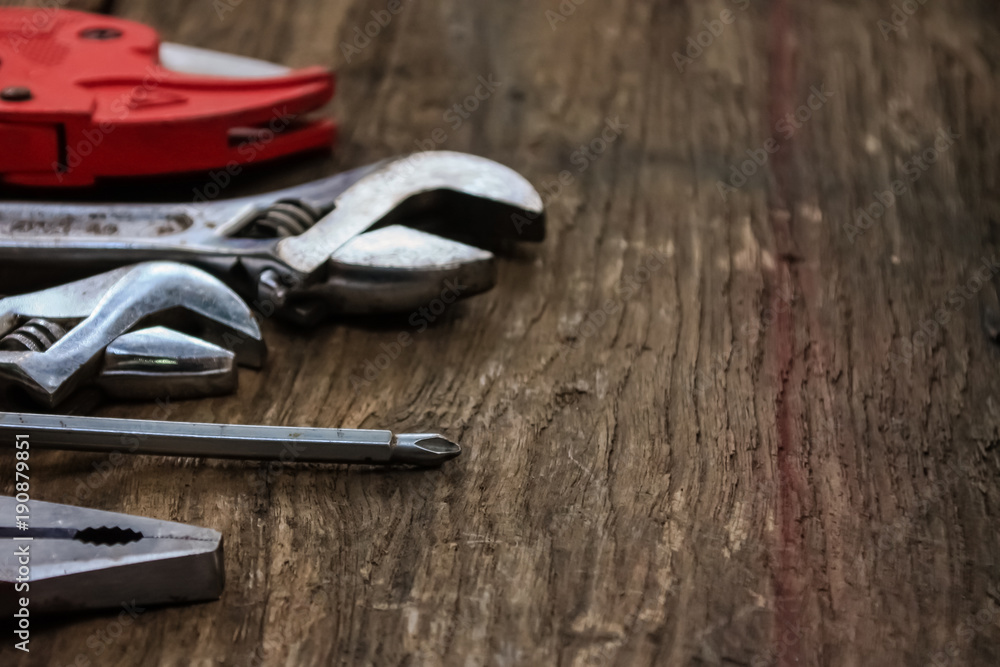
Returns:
<point x="699" y="430"/>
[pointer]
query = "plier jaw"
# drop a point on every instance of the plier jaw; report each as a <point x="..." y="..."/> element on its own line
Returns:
<point x="81" y="559"/>
<point x="91" y="96"/>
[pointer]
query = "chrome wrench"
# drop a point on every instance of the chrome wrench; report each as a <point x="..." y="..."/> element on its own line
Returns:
<point x="153" y="330"/>
<point x="371" y="240"/>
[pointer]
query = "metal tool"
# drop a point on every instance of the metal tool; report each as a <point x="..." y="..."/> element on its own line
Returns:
<point x="86" y="96"/>
<point x="80" y="559"/>
<point x="261" y="443"/>
<point x="370" y="240"/>
<point x="124" y="330"/>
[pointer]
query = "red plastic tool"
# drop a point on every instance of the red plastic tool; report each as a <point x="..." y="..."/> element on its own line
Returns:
<point x="85" y="96"/>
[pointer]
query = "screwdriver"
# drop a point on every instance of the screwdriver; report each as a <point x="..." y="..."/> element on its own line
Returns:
<point x="229" y="441"/>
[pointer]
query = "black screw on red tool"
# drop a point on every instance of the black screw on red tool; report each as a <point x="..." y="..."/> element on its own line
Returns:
<point x="15" y="94"/>
<point x="101" y="33"/>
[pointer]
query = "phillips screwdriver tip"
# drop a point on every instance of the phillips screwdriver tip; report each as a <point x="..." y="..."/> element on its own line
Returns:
<point x="424" y="449"/>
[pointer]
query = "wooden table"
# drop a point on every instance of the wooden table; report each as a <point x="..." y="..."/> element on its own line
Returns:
<point x="706" y="425"/>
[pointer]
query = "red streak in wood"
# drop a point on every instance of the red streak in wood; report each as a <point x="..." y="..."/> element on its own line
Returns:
<point x="789" y="561"/>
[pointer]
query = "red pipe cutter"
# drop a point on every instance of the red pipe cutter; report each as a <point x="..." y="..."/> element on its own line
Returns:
<point x="85" y="96"/>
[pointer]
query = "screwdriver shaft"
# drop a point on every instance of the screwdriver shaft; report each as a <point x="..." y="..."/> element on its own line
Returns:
<point x="263" y="443"/>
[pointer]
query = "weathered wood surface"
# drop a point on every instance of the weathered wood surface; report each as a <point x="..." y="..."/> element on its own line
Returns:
<point x="699" y="431"/>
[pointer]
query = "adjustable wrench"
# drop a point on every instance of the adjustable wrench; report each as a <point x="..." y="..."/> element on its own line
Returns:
<point x="370" y="240"/>
<point x="121" y="329"/>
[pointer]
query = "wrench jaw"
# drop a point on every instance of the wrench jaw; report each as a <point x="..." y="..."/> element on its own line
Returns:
<point x="159" y="362"/>
<point x="472" y="219"/>
<point x="391" y="244"/>
<point x="463" y="197"/>
<point x="51" y="367"/>
<point x="441" y="186"/>
<point x="394" y="270"/>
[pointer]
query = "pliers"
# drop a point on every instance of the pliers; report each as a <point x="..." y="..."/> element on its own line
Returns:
<point x="63" y="558"/>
